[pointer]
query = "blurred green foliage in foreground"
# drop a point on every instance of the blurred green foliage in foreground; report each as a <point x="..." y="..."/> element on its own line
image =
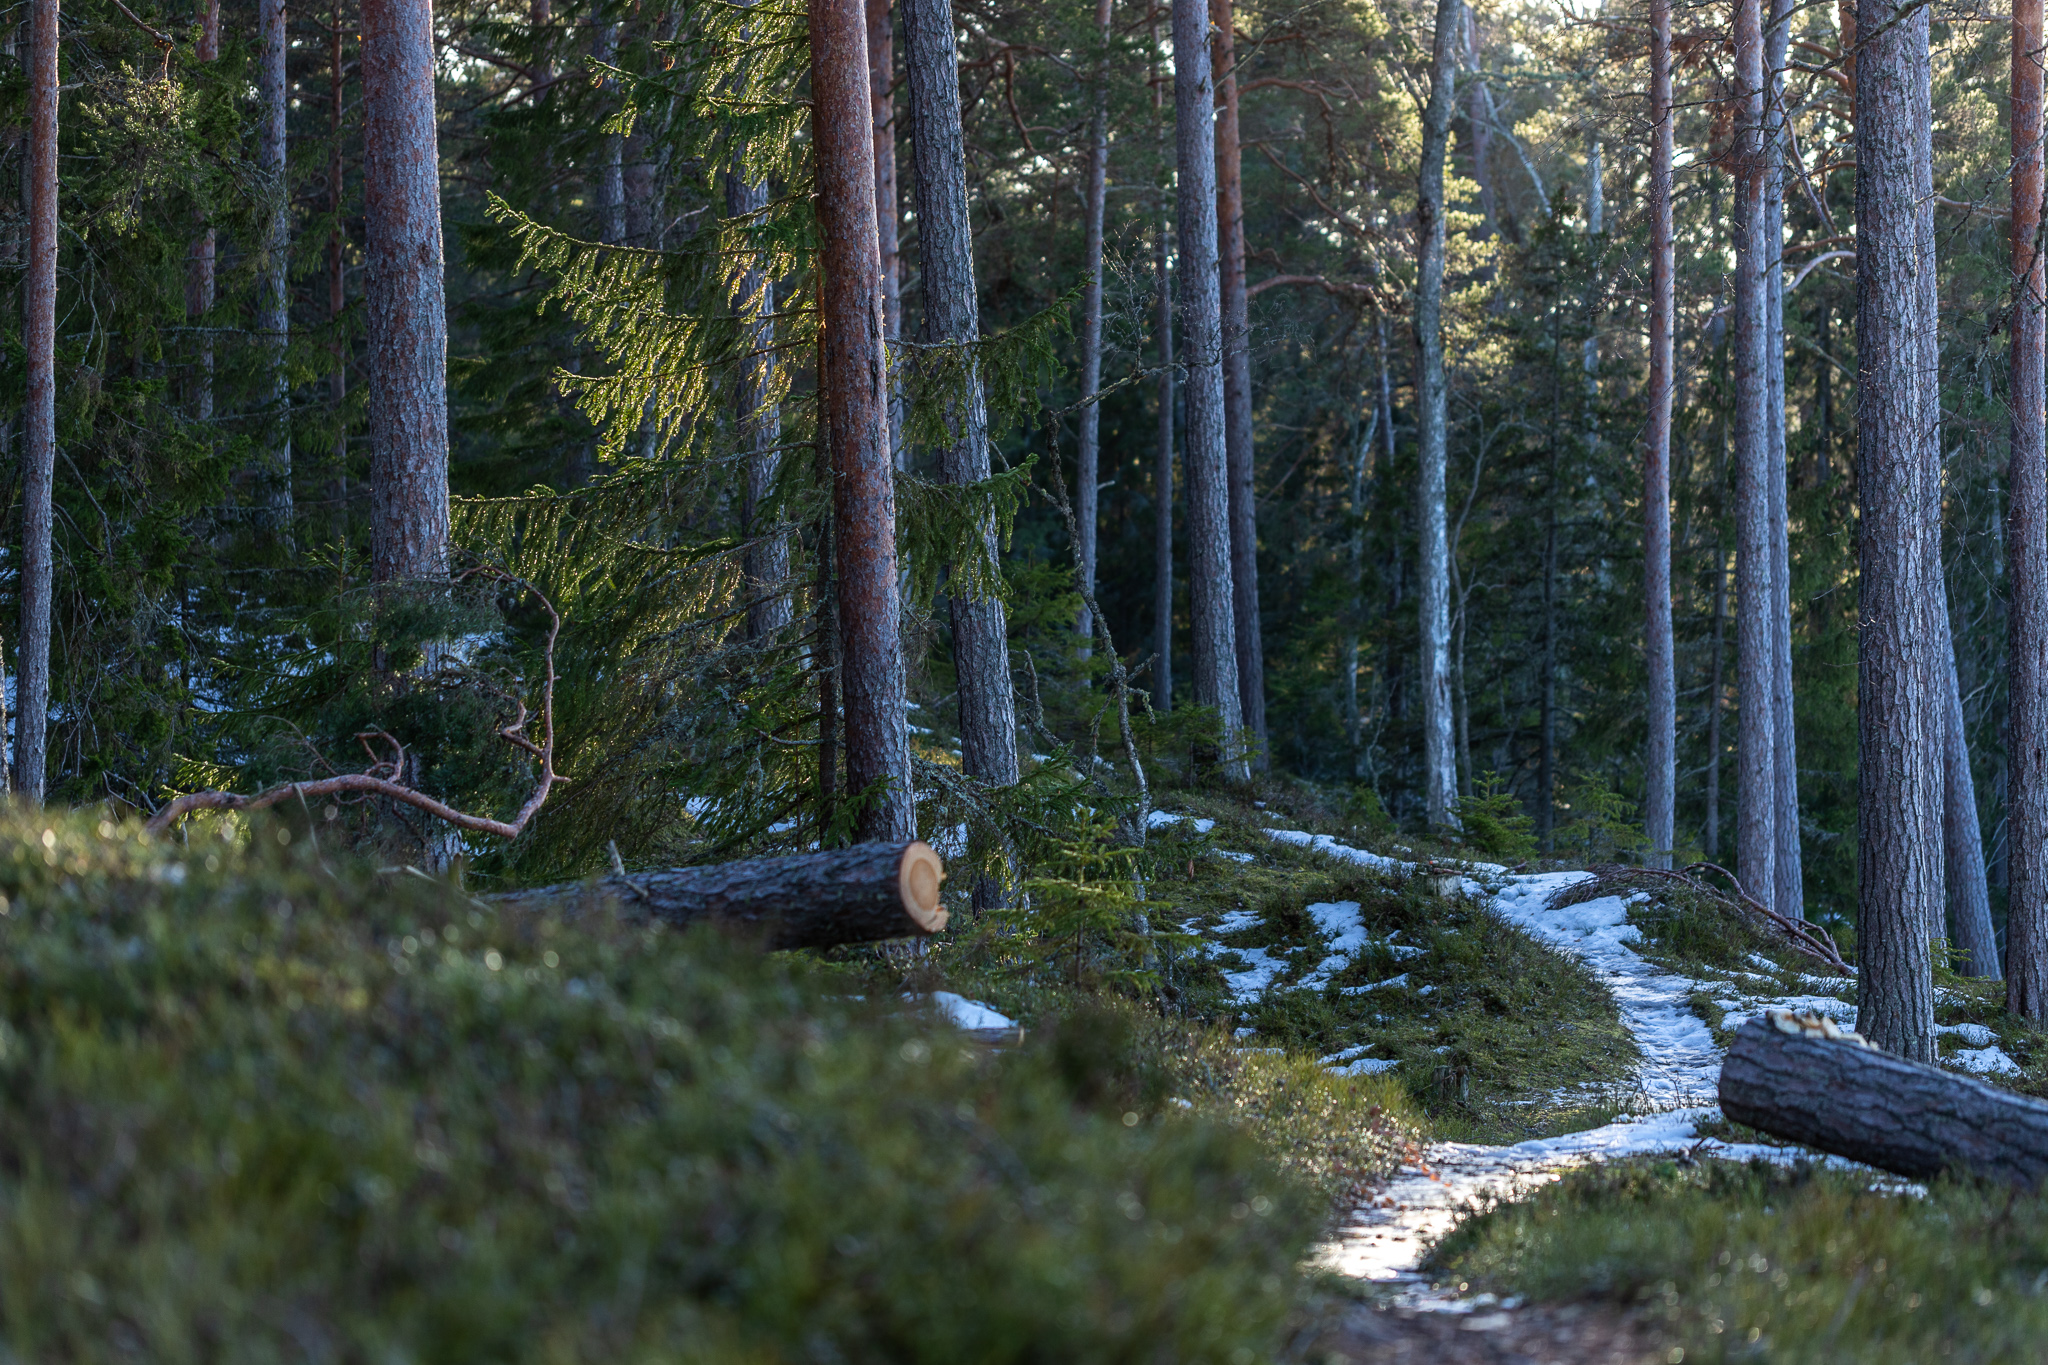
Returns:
<point x="1806" y="1266"/>
<point x="255" y="1108"/>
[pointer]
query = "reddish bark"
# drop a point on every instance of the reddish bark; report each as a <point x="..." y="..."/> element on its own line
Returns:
<point x="2026" y="538"/>
<point x="1237" y="379"/>
<point x="407" y="313"/>
<point x="881" y="87"/>
<point x="1659" y="761"/>
<point x="855" y="400"/>
<point x="39" y="417"/>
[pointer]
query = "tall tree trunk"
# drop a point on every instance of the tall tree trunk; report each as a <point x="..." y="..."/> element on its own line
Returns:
<point x="2026" y="541"/>
<point x="273" y="313"/>
<point x="1479" y="122"/>
<point x="407" y="312"/>
<point x="1660" y="773"/>
<point x="1788" y="880"/>
<point x="856" y="413"/>
<point x="1162" y="459"/>
<point x="1095" y="196"/>
<point x="1968" y="930"/>
<point x="39" y="462"/>
<point x="1439" y="761"/>
<point x="945" y="244"/>
<point x="199" y="264"/>
<point x="611" y="167"/>
<point x="1714" y="703"/>
<point x="1237" y="383"/>
<point x="1208" y="502"/>
<point x="882" y="91"/>
<point x="1755" y="596"/>
<point x="1899" y="775"/>
<point x="758" y="417"/>
<point x="337" y="277"/>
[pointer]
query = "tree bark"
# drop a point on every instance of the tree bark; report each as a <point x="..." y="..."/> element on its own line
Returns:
<point x="1162" y="455"/>
<point x="199" y="265"/>
<point x="861" y="894"/>
<point x="273" y="313"/>
<point x="407" y="311"/>
<point x="1439" y="759"/>
<point x="1788" y="881"/>
<point x="855" y="405"/>
<point x="1208" y="500"/>
<point x="337" y="277"/>
<point x="888" y="228"/>
<point x="1755" y="597"/>
<point x="1899" y="794"/>
<point x="758" y="417"/>
<point x="611" y="170"/>
<point x="945" y="244"/>
<point x="1095" y="196"/>
<point x="2026" y="540"/>
<point x="1237" y="383"/>
<point x="1968" y="930"/>
<point x="1660" y="779"/>
<point x="1902" y="1116"/>
<point x="39" y="416"/>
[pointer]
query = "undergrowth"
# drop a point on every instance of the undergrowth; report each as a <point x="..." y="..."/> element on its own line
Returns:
<point x="1755" y="1262"/>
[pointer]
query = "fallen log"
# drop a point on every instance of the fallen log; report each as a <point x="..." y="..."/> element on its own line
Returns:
<point x="1800" y="1077"/>
<point x="861" y="894"/>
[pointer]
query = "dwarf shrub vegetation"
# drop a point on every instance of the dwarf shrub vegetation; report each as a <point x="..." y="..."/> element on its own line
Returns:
<point x="254" y="1108"/>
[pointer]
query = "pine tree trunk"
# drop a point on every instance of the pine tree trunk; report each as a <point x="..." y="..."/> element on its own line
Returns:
<point x="1788" y="880"/>
<point x="611" y="173"/>
<point x="758" y="418"/>
<point x="1715" y="702"/>
<point x="273" y="314"/>
<point x="2026" y="541"/>
<point x="1969" y="929"/>
<point x="337" y="263"/>
<point x="199" y="264"/>
<point x="945" y="241"/>
<point x="39" y="416"/>
<point x="855" y="407"/>
<point x="882" y="91"/>
<point x="1095" y="196"/>
<point x="1237" y="383"/>
<point x="1755" y="597"/>
<point x="407" y="313"/>
<point x="1899" y="776"/>
<point x="1439" y="761"/>
<point x="1208" y="500"/>
<point x="1660" y="779"/>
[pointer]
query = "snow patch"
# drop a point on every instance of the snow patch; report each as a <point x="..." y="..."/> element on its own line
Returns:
<point x="1984" y="1061"/>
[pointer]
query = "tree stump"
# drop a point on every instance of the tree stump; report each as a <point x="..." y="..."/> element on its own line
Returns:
<point x="1839" y="1094"/>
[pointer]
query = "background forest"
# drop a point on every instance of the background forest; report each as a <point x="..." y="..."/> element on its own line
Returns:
<point x="212" y="606"/>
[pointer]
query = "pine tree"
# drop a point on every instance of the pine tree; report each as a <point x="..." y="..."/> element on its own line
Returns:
<point x="1439" y="758"/>
<point x="273" y="314"/>
<point x="1659" y="758"/>
<point x="2026" y="535"/>
<point x="39" y="452"/>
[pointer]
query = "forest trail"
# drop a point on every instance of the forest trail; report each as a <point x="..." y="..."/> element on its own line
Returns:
<point x="1386" y="1239"/>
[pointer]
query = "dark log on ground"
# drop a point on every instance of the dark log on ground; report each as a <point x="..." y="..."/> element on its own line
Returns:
<point x="1843" y="1096"/>
<point x="860" y="894"/>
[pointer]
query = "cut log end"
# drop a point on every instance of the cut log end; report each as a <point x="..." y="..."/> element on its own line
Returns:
<point x="918" y="877"/>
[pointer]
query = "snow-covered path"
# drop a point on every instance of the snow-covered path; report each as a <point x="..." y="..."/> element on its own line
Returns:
<point x="1386" y="1239"/>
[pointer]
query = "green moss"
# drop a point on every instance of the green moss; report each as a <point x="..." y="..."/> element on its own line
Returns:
<point x="1803" y="1266"/>
<point x="251" y="1110"/>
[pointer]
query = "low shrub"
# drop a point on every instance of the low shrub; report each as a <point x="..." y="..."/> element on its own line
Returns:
<point x="253" y="1109"/>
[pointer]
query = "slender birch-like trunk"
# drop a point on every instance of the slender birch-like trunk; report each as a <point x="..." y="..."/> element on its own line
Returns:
<point x="273" y="309"/>
<point x="1755" y="596"/>
<point x="945" y="238"/>
<point x="407" y="310"/>
<point x="758" y="417"/>
<point x="1162" y="456"/>
<point x="1899" y="773"/>
<point x="1439" y="760"/>
<point x="2026" y="542"/>
<point x="39" y="416"/>
<point x="1208" y="501"/>
<point x="1237" y="382"/>
<point x="1095" y="197"/>
<point x="199" y="264"/>
<point x="855" y="409"/>
<point x="1660" y="774"/>
<point x="1788" y="879"/>
<point x="888" y="228"/>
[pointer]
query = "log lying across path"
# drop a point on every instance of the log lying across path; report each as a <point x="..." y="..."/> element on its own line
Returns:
<point x="1841" y="1095"/>
<point x="813" y="900"/>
